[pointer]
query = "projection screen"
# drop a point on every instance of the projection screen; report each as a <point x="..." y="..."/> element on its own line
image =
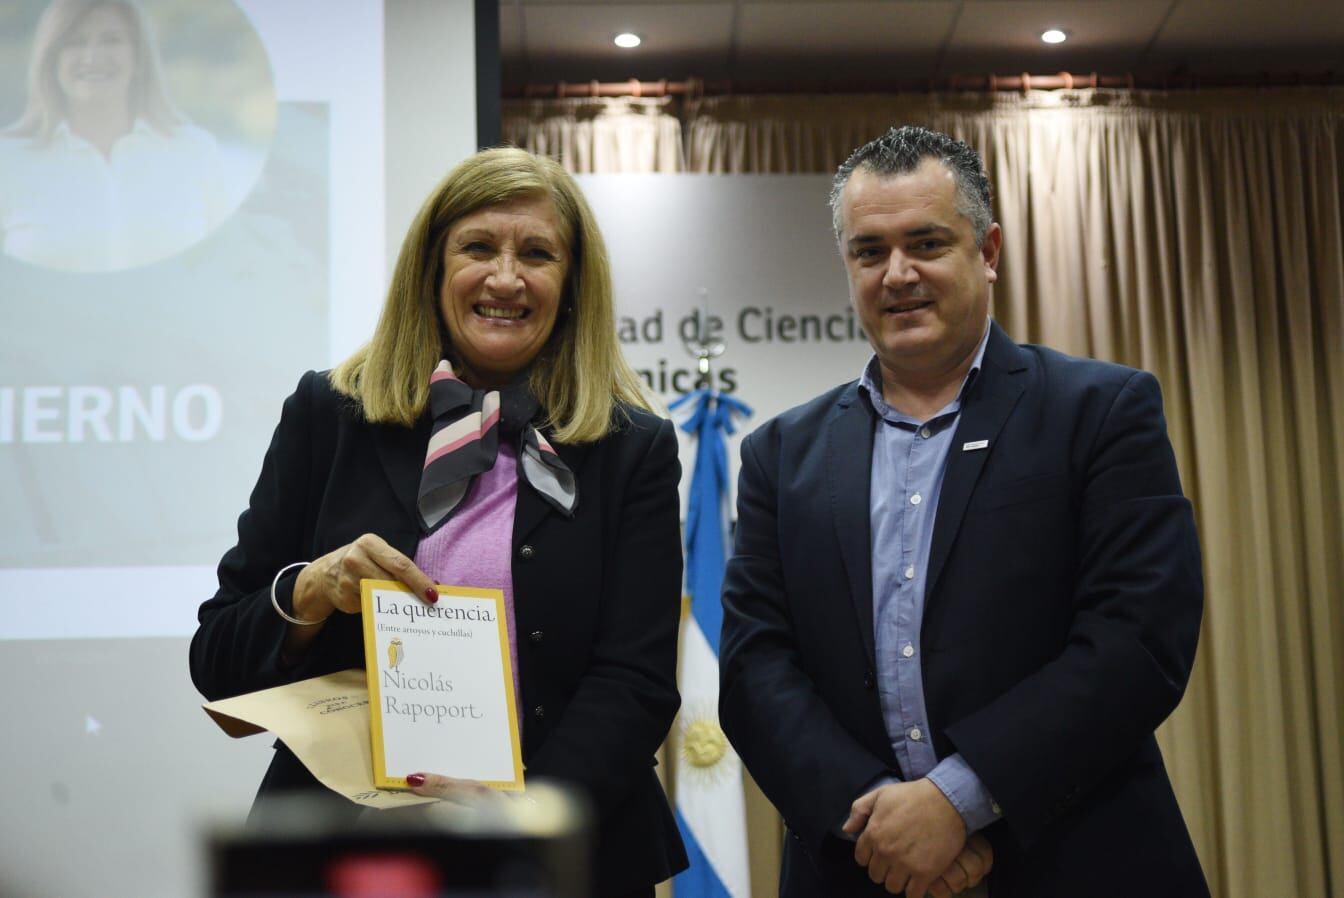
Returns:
<point x="163" y="286"/>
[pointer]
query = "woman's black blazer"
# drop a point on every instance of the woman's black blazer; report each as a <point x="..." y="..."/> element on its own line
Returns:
<point x="596" y="597"/>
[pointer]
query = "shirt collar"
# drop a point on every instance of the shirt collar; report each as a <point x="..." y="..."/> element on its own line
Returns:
<point x="64" y="133"/>
<point x="871" y="383"/>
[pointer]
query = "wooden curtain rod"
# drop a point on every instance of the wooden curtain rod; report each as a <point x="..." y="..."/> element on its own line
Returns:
<point x="696" y="87"/>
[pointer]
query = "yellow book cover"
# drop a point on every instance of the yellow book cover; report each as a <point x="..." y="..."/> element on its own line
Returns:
<point x="441" y="697"/>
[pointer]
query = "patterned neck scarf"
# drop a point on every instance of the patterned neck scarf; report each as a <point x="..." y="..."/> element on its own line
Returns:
<point x="464" y="441"/>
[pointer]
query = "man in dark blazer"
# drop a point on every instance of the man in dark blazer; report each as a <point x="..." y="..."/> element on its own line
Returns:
<point x="966" y="588"/>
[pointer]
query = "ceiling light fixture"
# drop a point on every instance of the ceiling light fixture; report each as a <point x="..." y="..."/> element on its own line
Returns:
<point x="1054" y="36"/>
<point x="626" y="40"/>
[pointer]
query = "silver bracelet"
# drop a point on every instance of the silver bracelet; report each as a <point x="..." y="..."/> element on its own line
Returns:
<point x="276" y="602"/>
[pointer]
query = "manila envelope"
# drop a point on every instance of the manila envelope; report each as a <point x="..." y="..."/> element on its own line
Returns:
<point x="325" y="722"/>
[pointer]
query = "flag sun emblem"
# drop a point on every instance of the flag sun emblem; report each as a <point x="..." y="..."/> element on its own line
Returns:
<point x="703" y="743"/>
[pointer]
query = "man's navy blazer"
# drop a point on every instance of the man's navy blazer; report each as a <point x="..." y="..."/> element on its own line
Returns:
<point x="1062" y="609"/>
<point x="596" y="604"/>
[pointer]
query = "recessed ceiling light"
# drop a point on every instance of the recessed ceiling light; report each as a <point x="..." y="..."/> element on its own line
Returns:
<point x="1054" y="36"/>
<point x="626" y="40"/>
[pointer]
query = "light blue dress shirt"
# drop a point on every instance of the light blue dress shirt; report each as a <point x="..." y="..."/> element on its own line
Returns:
<point x="909" y="460"/>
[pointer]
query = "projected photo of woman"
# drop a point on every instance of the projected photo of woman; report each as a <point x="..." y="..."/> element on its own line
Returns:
<point x="102" y="172"/>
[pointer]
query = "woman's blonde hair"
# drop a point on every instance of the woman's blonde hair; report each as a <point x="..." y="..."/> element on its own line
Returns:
<point x="46" y="107"/>
<point x="580" y="375"/>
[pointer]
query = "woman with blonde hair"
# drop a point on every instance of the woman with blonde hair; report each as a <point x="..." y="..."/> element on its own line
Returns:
<point x="393" y="466"/>
<point x="102" y="172"/>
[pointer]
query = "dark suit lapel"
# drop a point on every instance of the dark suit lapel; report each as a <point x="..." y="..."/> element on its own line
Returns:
<point x="849" y="466"/>
<point x="985" y="408"/>
<point x="401" y="450"/>
<point x="532" y="509"/>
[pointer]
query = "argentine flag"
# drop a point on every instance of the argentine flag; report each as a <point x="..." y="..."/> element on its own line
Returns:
<point x="709" y="804"/>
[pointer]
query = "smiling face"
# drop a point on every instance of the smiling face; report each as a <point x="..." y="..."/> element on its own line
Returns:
<point x="917" y="280"/>
<point x="504" y="270"/>
<point x="96" y="60"/>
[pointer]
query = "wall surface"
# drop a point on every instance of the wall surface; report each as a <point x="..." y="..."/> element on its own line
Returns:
<point x="760" y="249"/>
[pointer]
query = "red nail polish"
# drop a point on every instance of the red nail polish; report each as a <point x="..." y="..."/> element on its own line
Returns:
<point x="416" y="780"/>
<point x="431" y="595"/>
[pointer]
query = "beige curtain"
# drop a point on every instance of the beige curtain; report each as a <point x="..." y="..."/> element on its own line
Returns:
<point x="598" y="135"/>
<point x="1199" y="235"/>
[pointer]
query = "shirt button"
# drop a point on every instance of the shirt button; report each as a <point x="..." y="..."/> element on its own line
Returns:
<point x="925" y="432"/>
<point x="526" y="552"/>
<point x="916" y="734"/>
<point x="535" y="635"/>
<point x="916" y="499"/>
<point x="539" y="711"/>
<point x="908" y="651"/>
<point x="910" y="572"/>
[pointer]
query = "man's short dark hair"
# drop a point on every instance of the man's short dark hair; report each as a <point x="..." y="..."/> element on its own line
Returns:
<point x="902" y="150"/>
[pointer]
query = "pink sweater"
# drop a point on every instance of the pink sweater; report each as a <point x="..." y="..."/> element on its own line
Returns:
<point x="475" y="546"/>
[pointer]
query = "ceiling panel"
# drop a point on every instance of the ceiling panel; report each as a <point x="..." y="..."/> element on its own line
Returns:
<point x="596" y="6"/>
<point x="835" y="28"/>
<point x="563" y="29"/>
<point x="1016" y="25"/>
<point x="821" y="41"/>
<point x="510" y="38"/>
<point x="1253" y="24"/>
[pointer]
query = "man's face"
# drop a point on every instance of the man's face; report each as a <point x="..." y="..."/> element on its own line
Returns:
<point x="918" y="282"/>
